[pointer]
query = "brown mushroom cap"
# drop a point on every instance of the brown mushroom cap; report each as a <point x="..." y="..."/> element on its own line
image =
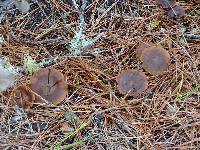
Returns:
<point x="155" y="60"/>
<point x="176" y="12"/>
<point x="50" y="85"/>
<point x="24" y="97"/>
<point x="166" y="3"/>
<point x="141" y="48"/>
<point x="132" y="82"/>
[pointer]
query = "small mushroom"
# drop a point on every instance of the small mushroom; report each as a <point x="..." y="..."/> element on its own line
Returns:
<point x="155" y="59"/>
<point x="166" y="3"/>
<point x="132" y="82"/>
<point x="176" y="12"/>
<point x="141" y="48"/>
<point x="50" y="85"/>
<point x="24" y="97"/>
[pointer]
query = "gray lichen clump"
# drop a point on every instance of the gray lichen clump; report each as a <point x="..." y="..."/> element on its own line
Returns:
<point x="7" y="75"/>
<point x="79" y="42"/>
<point x="7" y="79"/>
<point x="22" y="5"/>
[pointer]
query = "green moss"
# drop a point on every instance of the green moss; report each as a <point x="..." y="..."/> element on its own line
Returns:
<point x="30" y="65"/>
<point x="188" y="94"/>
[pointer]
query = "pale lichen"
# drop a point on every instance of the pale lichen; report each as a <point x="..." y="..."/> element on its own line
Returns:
<point x="79" y="42"/>
<point x="7" y="74"/>
<point x="30" y="65"/>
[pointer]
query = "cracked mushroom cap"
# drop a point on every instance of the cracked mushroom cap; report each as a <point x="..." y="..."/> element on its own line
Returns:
<point x="132" y="82"/>
<point x="50" y="85"/>
<point x="141" y="48"/>
<point x="166" y="3"/>
<point x="155" y="60"/>
<point x="24" y="97"/>
<point x="176" y="12"/>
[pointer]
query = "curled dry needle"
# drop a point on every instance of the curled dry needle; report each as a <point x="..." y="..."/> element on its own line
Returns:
<point x="166" y="3"/>
<point x="176" y="12"/>
<point x="132" y="82"/>
<point x="155" y="59"/>
<point x="24" y="97"/>
<point x="50" y="85"/>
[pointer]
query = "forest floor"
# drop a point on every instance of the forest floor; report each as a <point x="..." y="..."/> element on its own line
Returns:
<point x="94" y="114"/>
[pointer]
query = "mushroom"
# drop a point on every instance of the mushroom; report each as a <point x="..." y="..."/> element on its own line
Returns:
<point x="155" y="59"/>
<point x="176" y="12"/>
<point x="166" y="3"/>
<point x="141" y="48"/>
<point x="24" y="97"/>
<point x="133" y="82"/>
<point x="50" y="85"/>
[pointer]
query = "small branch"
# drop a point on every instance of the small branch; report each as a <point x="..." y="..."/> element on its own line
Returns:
<point x="192" y="36"/>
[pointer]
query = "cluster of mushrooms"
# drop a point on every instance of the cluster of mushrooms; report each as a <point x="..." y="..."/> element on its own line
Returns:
<point x="173" y="10"/>
<point x="155" y="60"/>
<point x="47" y="86"/>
